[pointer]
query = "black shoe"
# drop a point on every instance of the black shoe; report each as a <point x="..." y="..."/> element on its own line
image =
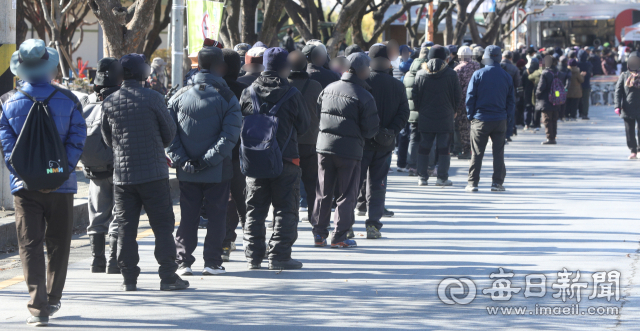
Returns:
<point x="284" y="265"/>
<point x="509" y="139"/>
<point x="585" y="117"/>
<point x="54" y="308"/>
<point x="464" y="156"/>
<point x="129" y="287"/>
<point x="178" y="284"/>
<point x="361" y="212"/>
<point x="38" y="320"/>
<point x="112" y="265"/>
<point x="254" y="265"/>
<point x="549" y="142"/>
<point x="99" y="263"/>
<point x="350" y="233"/>
<point x="495" y="187"/>
<point x="387" y="213"/>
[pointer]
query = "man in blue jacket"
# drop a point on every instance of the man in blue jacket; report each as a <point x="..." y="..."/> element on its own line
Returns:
<point x="43" y="216"/>
<point x="490" y="105"/>
<point x="208" y="118"/>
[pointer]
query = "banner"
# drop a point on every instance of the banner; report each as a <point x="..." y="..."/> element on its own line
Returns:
<point x="204" y="19"/>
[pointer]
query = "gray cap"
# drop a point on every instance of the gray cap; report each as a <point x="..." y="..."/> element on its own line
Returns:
<point x="478" y="50"/>
<point x="358" y="61"/>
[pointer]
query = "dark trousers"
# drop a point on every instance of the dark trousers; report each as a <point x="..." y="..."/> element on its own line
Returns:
<point x="343" y="174"/>
<point x="480" y="134"/>
<point x="236" y="208"/>
<point x="374" y="168"/>
<point x="550" y="121"/>
<point x="528" y="115"/>
<point x="191" y="198"/>
<point x="563" y="111"/>
<point x="442" y="149"/>
<point x="284" y="193"/>
<point x="572" y="107"/>
<point x="414" y="142"/>
<point x="44" y="219"/>
<point x="403" y="146"/>
<point x="309" y="168"/>
<point x="630" y="128"/>
<point x="584" y="102"/>
<point x="156" y="198"/>
<point x="537" y="116"/>
<point x="520" y="109"/>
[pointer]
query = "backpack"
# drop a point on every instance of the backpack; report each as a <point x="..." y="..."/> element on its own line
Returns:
<point x="260" y="155"/>
<point x="39" y="157"/>
<point x="557" y="95"/>
<point x="96" y="156"/>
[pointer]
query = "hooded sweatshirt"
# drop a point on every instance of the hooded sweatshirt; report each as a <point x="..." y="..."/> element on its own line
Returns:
<point x="436" y="95"/>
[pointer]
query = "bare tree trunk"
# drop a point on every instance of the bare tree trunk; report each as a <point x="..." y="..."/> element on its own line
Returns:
<point x="273" y="10"/>
<point x="347" y="14"/>
<point x="249" y="21"/>
<point x="448" y="32"/>
<point x="232" y="20"/>
<point x="294" y="13"/>
<point x="160" y="22"/>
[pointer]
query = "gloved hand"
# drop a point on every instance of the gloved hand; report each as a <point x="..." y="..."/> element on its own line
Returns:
<point x="188" y="167"/>
<point x="199" y="165"/>
<point x="618" y="111"/>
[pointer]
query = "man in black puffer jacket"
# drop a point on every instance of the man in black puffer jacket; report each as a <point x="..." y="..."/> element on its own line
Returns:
<point x="282" y="191"/>
<point x="436" y="96"/>
<point x="137" y="125"/>
<point x="347" y="117"/>
<point x="393" y="112"/>
<point x="316" y="54"/>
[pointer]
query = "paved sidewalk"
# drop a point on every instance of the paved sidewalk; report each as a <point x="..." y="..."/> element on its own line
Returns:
<point x="573" y="205"/>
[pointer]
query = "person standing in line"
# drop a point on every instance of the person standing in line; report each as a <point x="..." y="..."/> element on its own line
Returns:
<point x="534" y="78"/>
<point x="528" y="93"/>
<point x="547" y="95"/>
<point x="574" y="93"/>
<point x="414" y="138"/>
<point x="310" y="89"/>
<point x="348" y="116"/>
<point x="137" y="126"/>
<point x="490" y="104"/>
<point x="253" y="65"/>
<point x="316" y="54"/>
<point x="289" y="43"/>
<point x="465" y="70"/>
<point x="627" y="101"/>
<point x="563" y="67"/>
<point x="436" y="95"/>
<point x="587" y="68"/>
<point x="97" y="161"/>
<point x="282" y="191"/>
<point x="208" y="118"/>
<point x="43" y="217"/>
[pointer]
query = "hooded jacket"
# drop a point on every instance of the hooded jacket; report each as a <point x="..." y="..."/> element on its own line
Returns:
<point x="585" y="66"/>
<point x="66" y="111"/>
<point x="293" y="114"/>
<point x="391" y="103"/>
<point x="409" y="82"/>
<point x="490" y="96"/>
<point x="138" y="126"/>
<point x="465" y="71"/>
<point x="300" y="79"/>
<point x="348" y="116"/>
<point x="436" y="96"/>
<point x="512" y="70"/>
<point x="93" y="105"/>
<point x="208" y="119"/>
<point x="575" y="84"/>
<point x="322" y="75"/>
<point x="248" y="78"/>
<point x="544" y="89"/>
<point x="627" y="98"/>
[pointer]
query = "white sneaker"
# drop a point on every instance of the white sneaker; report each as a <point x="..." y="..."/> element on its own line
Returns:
<point x="303" y="209"/>
<point x="184" y="271"/>
<point x="471" y="188"/>
<point x="441" y="182"/>
<point x="402" y="170"/>
<point x="232" y="247"/>
<point x="422" y="182"/>
<point x="213" y="270"/>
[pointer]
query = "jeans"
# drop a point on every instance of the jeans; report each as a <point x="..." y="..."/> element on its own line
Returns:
<point x="155" y="196"/>
<point x="480" y="134"/>
<point x="584" y="102"/>
<point x="630" y="129"/>
<point x="343" y="173"/>
<point x="403" y="146"/>
<point x="284" y="193"/>
<point x="414" y="142"/>
<point x="374" y="167"/>
<point x="191" y="198"/>
<point x="44" y="219"/>
<point x="442" y="148"/>
<point x="101" y="207"/>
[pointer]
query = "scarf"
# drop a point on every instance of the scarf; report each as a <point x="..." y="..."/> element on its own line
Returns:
<point x="633" y="80"/>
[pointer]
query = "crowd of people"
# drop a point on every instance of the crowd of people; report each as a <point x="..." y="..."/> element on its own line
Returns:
<point x="257" y="127"/>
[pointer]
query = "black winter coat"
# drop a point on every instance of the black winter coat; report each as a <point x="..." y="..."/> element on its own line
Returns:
<point x="528" y="87"/>
<point x="270" y="88"/>
<point x="544" y="89"/>
<point x="322" y="75"/>
<point x="409" y="82"/>
<point x="436" y="95"/>
<point x="627" y="98"/>
<point x="236" y="87"/>
<point x="310" y="94"/>
<point x="248" y="78"/>
<point x="348" y="116"/>
<point x="392" y="105"/>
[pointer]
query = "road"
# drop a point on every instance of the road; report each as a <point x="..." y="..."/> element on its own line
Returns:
<point x="572" y="205"/>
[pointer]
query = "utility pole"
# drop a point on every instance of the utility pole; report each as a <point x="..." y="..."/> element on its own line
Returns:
<point x="430" y="27"/>
<point x="7" y="48"/>
<point x="177" y="47"/>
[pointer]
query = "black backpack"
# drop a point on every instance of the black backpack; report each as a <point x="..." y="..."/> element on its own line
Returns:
<point x="96" y="156"/>
<point x="39" y="156"/>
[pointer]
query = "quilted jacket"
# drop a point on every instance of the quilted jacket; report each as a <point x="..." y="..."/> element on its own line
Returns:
<point x="209" y="121"/>
<point x="67" y="113"/>
<point x="138" y="126"/>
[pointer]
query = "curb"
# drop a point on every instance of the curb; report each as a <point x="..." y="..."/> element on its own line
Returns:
<point x="9" y="237"/>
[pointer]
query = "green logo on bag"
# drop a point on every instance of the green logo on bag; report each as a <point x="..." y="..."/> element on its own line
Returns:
<point x="54" y="168"/>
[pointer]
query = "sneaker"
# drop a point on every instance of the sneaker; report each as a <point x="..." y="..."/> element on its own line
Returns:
<point x="179" y="284"/>
<point x="203" y="223"/>
<point x="471" y="188"/>
<point x="350" y="233"/>
<point x="387" y="213"/>
<point x="536" y="129"/>
<point x="443" y="182"/>
<point x="319" y="241"/>
<point x="226" y="252"/>
<point x="423" y="181"/>
<point x="54" y="309"/>
<point x="509" y="139"/>
<point x="549" y="142"/>
<point x="213" y="270"/>
<point x="254" y="265"/>
<point x="412" y="172"/>
<point x="38" y="320"/>
<point x="585" y="117"/>
<point x="232" y="247"/>
<point x="373" y="232"/>
<point x="303" y="209"/>
<point x="361" y="212"/>
<point x="345" y="244"/>
<point x="184" y="270"/>
<point x="495" y="187"/>
<point x="285" y="265"/>
<point x="129" y="287"/>
<point x="401" y="169"/>
<point x="526" y="127"/>
<point x="633" y="156"/>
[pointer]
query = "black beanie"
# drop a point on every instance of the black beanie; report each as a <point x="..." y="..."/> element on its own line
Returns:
<point x="352" y="49"/>
<point x="437" y="52"/>
<point x="209" y="56"/>
<point x="109" y="73"/>
<point x="232" y="60"/>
